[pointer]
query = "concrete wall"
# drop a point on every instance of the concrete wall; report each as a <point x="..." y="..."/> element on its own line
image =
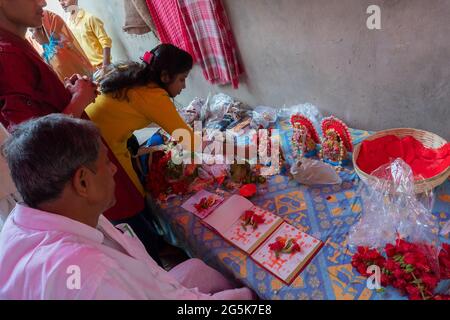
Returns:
<point x="321" y="51"/>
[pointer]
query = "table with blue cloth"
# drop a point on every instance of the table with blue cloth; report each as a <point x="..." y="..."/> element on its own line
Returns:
<point x="326" y="212"/>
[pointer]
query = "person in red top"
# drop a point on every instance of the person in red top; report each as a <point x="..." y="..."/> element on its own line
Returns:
<point x="29" y="88"/>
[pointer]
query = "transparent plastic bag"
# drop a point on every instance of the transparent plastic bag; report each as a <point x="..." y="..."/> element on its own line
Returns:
<point x="193" y="111"/>
<point x="223" y="112"/>
<point x="216" y="171"/>
<point x="263" y="117"/>
<point x="314" y="172"/>
<point x="307" y="109"/>
<point x="218" y="106"/>
<point x="392" y="210"/>
<point x="445" y="229"/>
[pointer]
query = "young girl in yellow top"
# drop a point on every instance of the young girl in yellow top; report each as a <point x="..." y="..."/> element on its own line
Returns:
<point x="137" y="94"/>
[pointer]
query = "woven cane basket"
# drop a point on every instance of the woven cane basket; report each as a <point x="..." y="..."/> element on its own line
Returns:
<point x="428" y="139"/>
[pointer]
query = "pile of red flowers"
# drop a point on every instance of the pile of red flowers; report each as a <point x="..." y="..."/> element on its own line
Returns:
<point x="252" y="219"/>
<point x="284" y="245"/>
<point x="166" y="178"/>
<point x="407" y="267"/>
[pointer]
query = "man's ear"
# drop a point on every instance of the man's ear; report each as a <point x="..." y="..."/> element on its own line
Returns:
<point x="165" y="77"/>
<point x="80" y="182"/>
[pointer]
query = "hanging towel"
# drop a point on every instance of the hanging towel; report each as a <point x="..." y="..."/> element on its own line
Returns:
<point x="169" y="23"/>
<point x="212" y="40"/>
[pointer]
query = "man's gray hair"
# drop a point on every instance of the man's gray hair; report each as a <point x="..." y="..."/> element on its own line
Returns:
<point x="43" y="155"/>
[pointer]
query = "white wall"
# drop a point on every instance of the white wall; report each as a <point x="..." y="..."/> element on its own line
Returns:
<point x="320" y="51"/>
<point x="112" y="14"/>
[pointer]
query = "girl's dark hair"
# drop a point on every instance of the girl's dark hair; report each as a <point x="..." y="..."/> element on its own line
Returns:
<point x="124" y="76"/>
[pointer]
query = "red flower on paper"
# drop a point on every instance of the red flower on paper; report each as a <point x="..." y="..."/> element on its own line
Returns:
<point x="248" y="190"/>
<point x="251" y="218"/>
<point x="284" y="245"/>
<point x="205" y="203"/>
<point x="278" y="245"/>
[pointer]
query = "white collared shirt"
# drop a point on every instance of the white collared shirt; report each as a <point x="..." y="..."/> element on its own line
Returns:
<point x="41" y="254"/>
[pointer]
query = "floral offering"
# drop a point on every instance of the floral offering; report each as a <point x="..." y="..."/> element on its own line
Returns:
<point x="250" y="218"/>
<point x="407" y="267"/>
<point x="284" y="245"/>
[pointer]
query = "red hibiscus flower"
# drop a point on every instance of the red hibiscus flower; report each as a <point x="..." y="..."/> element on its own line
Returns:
<point x="430" y="281"/>
<point x="251" y="218"/>
<point x="390" y="250"/>
<point x="283" y="245"/>
<point x="248" y="190"/>
<point x="205" y="203"/>
<point x="278" y="245"/>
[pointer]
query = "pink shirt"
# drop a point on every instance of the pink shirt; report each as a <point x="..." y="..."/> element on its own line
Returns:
<point x="41" y="254"/>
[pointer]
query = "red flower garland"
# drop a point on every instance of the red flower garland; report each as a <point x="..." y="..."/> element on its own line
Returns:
<point x="406" y="268"/>
<point x="162" y="180"/>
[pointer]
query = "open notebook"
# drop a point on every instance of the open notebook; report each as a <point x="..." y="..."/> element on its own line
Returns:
<point x="227" y="219"/>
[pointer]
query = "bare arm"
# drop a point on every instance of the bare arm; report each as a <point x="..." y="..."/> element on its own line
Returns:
<point x="106" y="57"/>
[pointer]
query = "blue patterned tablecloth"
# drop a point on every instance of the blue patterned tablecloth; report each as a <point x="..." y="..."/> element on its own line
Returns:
<point x="326" y="212"/>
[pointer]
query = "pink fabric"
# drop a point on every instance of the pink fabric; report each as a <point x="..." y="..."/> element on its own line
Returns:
<point x="194" y="273"/>
<point x="169" y="23"/>
<point x="213" y="42"/>
<point x="38" y="248"/>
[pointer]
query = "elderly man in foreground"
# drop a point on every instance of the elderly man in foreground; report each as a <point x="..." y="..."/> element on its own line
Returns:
<point x="58" y="245"/>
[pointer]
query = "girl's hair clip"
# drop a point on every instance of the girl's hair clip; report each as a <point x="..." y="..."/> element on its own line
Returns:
<point x="147" y="57"/>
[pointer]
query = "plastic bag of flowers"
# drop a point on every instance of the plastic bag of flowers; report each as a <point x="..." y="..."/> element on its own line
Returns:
<point x="398" y="233"/>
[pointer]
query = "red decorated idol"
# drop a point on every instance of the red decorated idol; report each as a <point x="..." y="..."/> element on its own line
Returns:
<point x="337" y="141"/>
<point x="304" y="137"/>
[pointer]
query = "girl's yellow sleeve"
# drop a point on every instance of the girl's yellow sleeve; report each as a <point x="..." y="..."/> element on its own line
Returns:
<point x="158" y="108"/>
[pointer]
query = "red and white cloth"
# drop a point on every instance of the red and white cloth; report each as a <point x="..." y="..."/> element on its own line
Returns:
<point x="202" y="28"/>
<point x="169" y="23"/>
